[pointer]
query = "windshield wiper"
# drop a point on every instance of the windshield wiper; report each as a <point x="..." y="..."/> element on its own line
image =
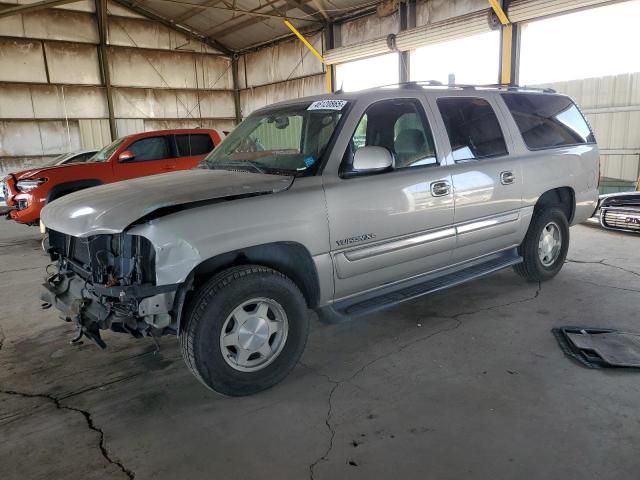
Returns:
<point x="237" y="165"/>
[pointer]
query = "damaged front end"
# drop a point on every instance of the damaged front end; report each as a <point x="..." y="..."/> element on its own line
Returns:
<point x="107" y="282"/>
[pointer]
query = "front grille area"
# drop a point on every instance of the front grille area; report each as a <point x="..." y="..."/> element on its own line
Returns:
<point x="79" y="250"/>
<point x="622" y="219"/>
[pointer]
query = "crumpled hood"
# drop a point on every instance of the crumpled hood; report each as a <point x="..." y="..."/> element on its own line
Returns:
<point x="112" y="208"/>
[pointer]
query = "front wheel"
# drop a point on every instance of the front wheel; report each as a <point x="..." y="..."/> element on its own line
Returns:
<point x="246" y="329"/>
<point x="545" y="246"/>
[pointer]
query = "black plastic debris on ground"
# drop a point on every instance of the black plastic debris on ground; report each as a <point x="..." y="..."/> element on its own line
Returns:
<point x="600" y="347"/>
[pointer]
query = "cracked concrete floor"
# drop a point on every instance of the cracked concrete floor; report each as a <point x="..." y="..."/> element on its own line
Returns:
<point x="467" y="383"/>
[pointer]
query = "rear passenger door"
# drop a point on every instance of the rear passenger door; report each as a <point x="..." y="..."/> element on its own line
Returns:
<point x="487" y="180"/>
<point x="153" y="155"/>
<point x="191" y="148"/>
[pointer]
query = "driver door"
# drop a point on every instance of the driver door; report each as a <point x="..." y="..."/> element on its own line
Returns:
<point x="153" y="155"/>
<point x="389" y="226"/>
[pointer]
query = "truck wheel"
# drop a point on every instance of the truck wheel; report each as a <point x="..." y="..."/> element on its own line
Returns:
<point x="246" y="329"/>
<point x="545" y="246"/>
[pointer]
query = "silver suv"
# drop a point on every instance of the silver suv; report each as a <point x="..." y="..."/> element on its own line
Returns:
<point x="343" y="204"/>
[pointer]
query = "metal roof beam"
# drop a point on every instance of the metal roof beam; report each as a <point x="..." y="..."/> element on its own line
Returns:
<point x="213" y="33"/>
<point x="252" y="13"/>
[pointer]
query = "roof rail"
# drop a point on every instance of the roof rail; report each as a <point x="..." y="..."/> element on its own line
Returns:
<point x="464" y="86"/>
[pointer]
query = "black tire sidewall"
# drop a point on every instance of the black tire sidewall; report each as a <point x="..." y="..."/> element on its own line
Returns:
<point x="212" y="368"/>
<point x="542" y="220"/>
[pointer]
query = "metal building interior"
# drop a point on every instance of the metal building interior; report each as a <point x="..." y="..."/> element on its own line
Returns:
<point x="465" y="383"/>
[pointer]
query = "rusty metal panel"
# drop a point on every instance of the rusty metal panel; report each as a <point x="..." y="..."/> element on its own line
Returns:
<point x="438" y="10"/>
<point x="73" y="63"/>
<point x="150" y="125"/>
<point x="12" y="26"/>
<point x="23" y="138"/>
<point x="143" y="33"/>
<point x="213" y="72"/>
<point x="150" y="103"/>
<point x="257" y="97"/>
<point x="116" y="9"/>
<point x="127" y="126"/>
<point x="21" y="61"/>
<point x="80" y="6"/>
<point x="281" y="62"/>
<point x="55" y="24"/>
<point x="369" y="28"/>
<point x="94" y="133"/>
<point x="144" y="68"/>
<point x="22" y="101"/>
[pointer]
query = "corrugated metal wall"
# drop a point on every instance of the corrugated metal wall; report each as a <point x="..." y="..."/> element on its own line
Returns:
<point x="280" y="72"/>
<point x="612" y="106"/>
<point x="51" y="94"/>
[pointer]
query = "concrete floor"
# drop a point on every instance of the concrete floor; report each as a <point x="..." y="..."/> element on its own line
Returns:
<point x="468" y="383"/>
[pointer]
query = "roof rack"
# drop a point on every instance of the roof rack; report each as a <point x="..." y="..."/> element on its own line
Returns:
<point x="464" y="86"/>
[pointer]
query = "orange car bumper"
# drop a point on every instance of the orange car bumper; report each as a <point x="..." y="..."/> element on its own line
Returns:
<point x="27" y="208"/>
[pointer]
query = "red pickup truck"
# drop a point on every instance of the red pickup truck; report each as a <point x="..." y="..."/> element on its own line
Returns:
<point x="138" y="155"/>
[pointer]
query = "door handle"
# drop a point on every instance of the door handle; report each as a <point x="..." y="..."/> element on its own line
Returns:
<point x="507" y="178"/>
<point x="440" y="189"/>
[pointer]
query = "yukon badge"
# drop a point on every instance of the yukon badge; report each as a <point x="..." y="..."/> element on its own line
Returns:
<point x="356" y="239"/>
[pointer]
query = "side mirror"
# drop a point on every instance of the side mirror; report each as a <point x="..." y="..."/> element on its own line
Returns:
<point x="372" y="159"/>
<point x="127" y="156"/>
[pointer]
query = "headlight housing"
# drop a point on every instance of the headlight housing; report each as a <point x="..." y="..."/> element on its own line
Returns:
<point x="28" y="185"/>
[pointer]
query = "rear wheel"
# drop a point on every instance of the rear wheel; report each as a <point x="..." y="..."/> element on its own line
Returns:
<point x="245" y="330"/>
<point x="545" y="246"/>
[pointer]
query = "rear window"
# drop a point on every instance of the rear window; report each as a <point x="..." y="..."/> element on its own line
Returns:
<point x="193" y="144"/>
<point x="547" y="121"/>
<point x="472" y="127"/>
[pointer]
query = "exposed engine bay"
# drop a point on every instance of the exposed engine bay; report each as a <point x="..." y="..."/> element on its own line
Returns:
<point x="107" y="282"/>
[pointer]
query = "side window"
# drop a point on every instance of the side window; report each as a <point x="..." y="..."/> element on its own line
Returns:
<point x="401" y="127"/>
<point x="182" y="145"/>
<point x="151" y="148"/>
<point x="547" y="121"/>
<point x="472" y="127"/>
<point x="201" y="143"/>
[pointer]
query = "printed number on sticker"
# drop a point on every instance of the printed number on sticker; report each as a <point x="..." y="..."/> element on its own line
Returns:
<point x="327" y="105"/>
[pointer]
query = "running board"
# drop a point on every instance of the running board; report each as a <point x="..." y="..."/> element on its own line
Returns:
<point x="409" y="290"/>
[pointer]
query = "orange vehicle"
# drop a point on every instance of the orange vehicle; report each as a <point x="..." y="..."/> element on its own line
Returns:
<point x="137" y="155"/>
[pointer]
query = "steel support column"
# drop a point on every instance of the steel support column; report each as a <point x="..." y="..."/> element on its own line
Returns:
<point x="509" y="43"/>
<point x="101" y="16"/>
<point x="407" y="20"/>
<point x="236" y="88"/>
<point x="509" y="53"/>
<point x="329" y="43"/>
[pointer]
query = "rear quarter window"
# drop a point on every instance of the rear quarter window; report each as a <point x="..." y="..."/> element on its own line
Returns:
<point x="548" y="121"/>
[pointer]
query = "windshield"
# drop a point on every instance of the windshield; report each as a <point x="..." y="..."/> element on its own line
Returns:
<point x="289" y="140"/>
<point x="104" y="154"/>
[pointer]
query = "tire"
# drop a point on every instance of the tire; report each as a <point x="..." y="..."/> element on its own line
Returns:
<point x="537" y="269"/>
<point x="218" y="311"/>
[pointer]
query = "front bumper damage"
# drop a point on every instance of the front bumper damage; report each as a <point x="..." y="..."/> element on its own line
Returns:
<point x="107" y="283"/>
<point x="93" y="308"/>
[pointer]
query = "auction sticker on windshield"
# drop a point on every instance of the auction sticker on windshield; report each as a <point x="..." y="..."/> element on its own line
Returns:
<point x="327" y="105"/>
